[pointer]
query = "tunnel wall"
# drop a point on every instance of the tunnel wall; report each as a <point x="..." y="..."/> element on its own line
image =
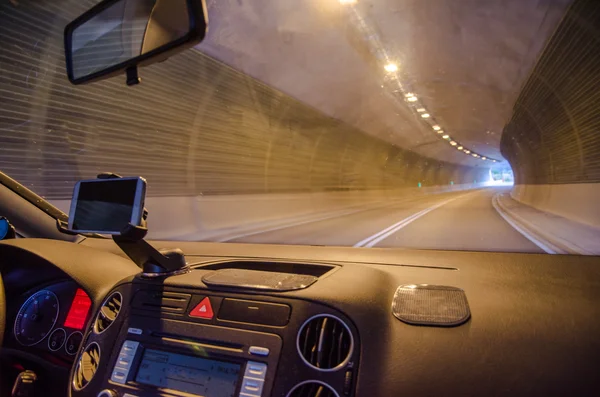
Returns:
<point x="552" y="140"/>
<point x="193" y="127"/>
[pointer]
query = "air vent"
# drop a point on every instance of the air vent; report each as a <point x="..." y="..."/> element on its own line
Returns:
<point x="312" y="388"/>
<point x="325" y="342"/>
<point x="86" y="366"/>
<point x="108" y="312"/>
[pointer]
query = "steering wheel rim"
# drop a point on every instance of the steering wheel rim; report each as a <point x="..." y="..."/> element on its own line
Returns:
<point x="2" y="310"/>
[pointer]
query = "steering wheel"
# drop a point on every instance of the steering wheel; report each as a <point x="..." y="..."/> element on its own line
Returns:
<point x="2" y="310"/>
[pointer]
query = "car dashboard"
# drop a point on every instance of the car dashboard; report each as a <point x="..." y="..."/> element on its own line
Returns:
<point x="328" y="325"/>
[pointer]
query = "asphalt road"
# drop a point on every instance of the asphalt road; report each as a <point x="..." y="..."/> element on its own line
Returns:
<point x="450" y="221"/>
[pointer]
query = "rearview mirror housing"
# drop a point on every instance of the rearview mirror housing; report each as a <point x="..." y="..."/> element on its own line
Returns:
<point x="118" y="36"/>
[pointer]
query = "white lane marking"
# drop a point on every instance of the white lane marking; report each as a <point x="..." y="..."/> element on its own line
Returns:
<point x="385" y="233"/>
<point x="315" y="220"/>
<point x="544" y="246"/>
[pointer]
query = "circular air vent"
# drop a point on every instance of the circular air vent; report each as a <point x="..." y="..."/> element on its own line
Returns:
<point x="312" y="388"/>
<point x="325" y="342"/>
<point x="86" y="366"/>
<point x="108" y="312"/>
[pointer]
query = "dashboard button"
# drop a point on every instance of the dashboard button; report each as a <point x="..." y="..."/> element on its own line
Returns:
<point x="258" y="351"/>
<point x="124" y="361"/>
<point x="256" y="370"/>
<point x="129" y="348"/>
<point x="119" y="376"/>
<point x="131" y="344"/>
<point x="253" y="312"/>
<point x="203" y="309"/>
<point x="252" y="387"/>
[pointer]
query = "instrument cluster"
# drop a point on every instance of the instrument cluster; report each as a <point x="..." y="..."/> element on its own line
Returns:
<point x="52" y="319"/>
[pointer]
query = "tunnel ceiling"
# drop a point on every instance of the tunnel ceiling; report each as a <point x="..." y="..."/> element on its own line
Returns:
<point x="465" y="61"/>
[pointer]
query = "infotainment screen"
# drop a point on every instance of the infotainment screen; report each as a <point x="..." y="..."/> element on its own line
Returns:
<point x="187" y="374"/>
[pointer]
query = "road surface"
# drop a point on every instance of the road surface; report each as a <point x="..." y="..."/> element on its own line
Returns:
<point x="464" y="220"/>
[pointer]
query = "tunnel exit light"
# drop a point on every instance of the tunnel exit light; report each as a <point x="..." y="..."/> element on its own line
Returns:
<point x="348" y="1"/>
<point x="391" y="68"/>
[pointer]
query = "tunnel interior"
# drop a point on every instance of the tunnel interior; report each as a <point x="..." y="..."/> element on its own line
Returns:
<point x="223" y="149"/>
<point x="194" y="126"/>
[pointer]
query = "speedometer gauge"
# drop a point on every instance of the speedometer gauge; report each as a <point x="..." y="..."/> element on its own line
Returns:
<point x="36" y="318"/>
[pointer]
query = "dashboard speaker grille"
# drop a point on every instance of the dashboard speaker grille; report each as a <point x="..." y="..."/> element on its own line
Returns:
<point x="325" y="342"/>
<point x="108" y="312"/>
<point x="431" y="305"/>
<point x="86" y="366"/>
<point x="312" y="389"/>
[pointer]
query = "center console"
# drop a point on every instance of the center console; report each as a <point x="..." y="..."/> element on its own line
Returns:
<point x="183" y="338"/>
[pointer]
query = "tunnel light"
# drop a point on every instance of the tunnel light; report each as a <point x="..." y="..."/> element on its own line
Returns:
<point x="436" y="127"/>
<point x="484" y="158"/>
<point x="493" y="161"/>
<point x="348" y="1"/>
<point x="391" y="68"/>
<point x="446" y="136"/>
<point x="453" y="143"/>
<point x="408" y="95"/>
<point x="440" y="131"/>
<point x="420" y="110"/>
<point x="425" y="115"/>
<point x="467" y="151"/>
<point x="474" y="155"/>
<point x="412" y="99"/>
<point x="460" y="148"/>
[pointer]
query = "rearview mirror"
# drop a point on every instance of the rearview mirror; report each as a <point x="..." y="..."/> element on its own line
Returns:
<point x="118" y="36"/>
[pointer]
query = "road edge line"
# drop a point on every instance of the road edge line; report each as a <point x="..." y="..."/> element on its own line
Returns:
<point x="546" y="246"/>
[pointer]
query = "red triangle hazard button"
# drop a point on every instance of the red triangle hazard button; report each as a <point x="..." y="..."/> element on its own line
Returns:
<point x="203" y="309"/>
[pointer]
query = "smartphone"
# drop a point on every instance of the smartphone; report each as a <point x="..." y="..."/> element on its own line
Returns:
<point x="106" y="206"/>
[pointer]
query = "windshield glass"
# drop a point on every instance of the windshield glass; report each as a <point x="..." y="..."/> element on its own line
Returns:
<point x="439" y="124"/>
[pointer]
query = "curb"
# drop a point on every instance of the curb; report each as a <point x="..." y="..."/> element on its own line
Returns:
<point x="546" y="241"/>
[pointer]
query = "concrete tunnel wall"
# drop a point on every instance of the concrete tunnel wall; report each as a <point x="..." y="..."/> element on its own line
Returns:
<point x="553" y="138"/>
<point x="194" y="128"/>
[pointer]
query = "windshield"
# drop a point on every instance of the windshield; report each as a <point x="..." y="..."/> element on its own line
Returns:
<point x="439" y="124"/>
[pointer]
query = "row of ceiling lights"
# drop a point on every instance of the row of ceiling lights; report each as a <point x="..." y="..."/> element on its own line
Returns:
<point x="425" y="115"/>
<point x="392" y="68"/>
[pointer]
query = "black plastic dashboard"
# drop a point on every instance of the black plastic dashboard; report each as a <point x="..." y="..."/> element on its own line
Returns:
<point x="533" y="327"/>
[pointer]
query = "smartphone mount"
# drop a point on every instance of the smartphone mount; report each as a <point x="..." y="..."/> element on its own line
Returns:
<point x="153" y="262"/>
